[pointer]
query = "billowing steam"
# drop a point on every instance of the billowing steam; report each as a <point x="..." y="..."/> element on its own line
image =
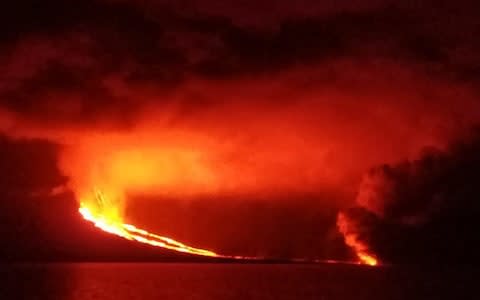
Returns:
<point x="421" y="202"/>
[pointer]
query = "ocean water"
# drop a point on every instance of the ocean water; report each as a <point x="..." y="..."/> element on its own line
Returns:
<point x="145" y="281"/>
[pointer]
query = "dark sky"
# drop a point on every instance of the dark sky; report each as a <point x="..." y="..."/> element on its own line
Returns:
<point x="247" y="127"/>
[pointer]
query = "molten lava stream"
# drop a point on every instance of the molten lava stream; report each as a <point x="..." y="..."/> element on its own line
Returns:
<point x="130" y="232"/>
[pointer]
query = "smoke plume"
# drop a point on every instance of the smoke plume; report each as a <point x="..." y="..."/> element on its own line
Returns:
<point x="419" y="210"/>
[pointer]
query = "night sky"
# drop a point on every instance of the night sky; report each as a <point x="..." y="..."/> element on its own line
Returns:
<point x="268" y="128"/>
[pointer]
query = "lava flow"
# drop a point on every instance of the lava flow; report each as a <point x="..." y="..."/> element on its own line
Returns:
<point x="351" y="237"/>
<point x="367" y="259"/>
<point x="113" y="225"/>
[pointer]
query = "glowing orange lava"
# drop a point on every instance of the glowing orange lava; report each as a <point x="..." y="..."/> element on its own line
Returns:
<point x="351" y="237"/>
<point x="367" y="259"/>
<point x="107" y="219"/>
<point x="112" y="224"/>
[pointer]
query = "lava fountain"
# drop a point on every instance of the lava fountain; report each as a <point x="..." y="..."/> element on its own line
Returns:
<point x="114" y="225"/>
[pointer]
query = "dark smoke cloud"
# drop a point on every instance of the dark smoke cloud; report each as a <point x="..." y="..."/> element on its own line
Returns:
<point x="422" y="210"/>
<point x="20" y="174"/>
<point x="58" y="50"/>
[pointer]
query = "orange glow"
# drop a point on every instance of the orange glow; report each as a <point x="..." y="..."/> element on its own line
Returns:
<point x="367" y="259"/>
<point x="362" y="251"/>
<point x="302" y="131"/>
<point x="113" y="224"/>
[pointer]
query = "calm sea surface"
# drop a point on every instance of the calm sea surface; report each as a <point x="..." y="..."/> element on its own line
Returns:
<point x="128" y="281"/>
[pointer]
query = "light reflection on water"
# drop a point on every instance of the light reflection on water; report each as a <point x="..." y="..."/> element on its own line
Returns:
<point x="122" y="281"/>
